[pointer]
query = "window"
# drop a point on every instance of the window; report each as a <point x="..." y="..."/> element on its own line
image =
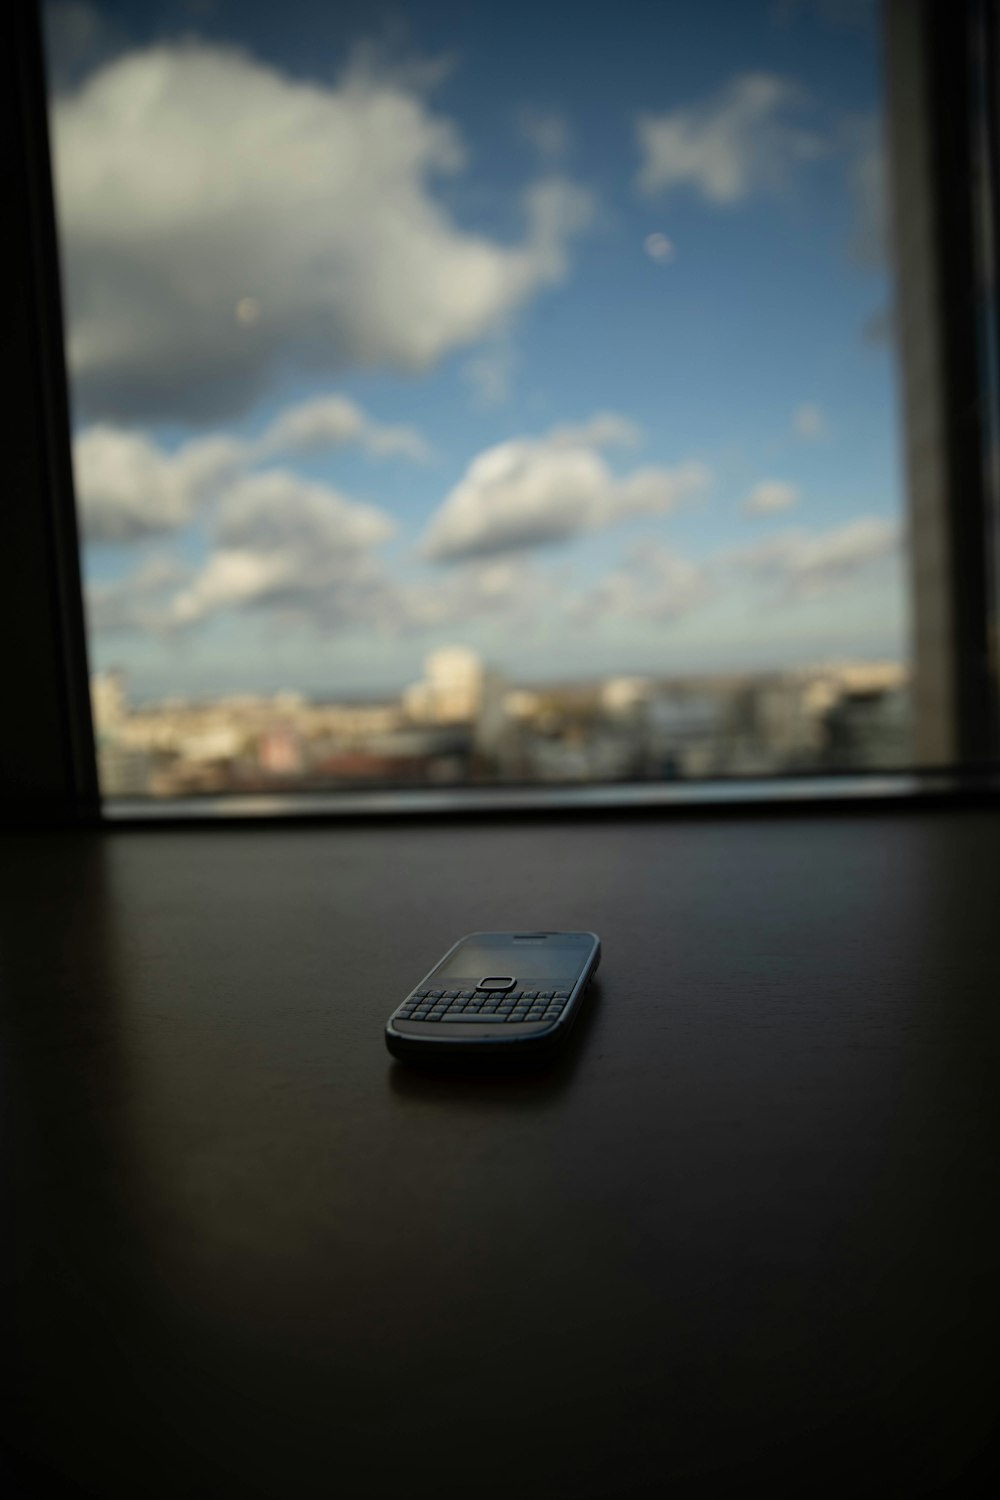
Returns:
<point x="449" y="408"/>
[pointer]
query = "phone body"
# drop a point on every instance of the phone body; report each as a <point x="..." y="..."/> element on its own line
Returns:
<point x="496" y="997"/>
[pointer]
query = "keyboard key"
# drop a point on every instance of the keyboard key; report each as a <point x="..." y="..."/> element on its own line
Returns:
<point x="468" y="1018"/>
<point x="562" y="994"/>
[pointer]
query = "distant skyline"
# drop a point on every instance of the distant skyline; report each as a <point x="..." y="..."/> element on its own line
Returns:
<point x="389" y="330"/>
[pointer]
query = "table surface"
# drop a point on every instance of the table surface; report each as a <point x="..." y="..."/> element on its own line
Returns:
<point x="745" y="1231"/>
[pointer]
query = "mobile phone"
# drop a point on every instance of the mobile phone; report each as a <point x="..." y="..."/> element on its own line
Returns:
<point x="497" y="997"/>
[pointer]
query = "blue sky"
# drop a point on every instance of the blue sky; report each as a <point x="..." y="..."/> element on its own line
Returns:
<point x="587" y="309"/>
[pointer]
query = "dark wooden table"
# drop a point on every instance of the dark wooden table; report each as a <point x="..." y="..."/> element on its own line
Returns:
<point x="745" y="1234"/>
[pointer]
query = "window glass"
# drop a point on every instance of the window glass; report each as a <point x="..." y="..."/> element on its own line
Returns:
<point x="480" y="393"/>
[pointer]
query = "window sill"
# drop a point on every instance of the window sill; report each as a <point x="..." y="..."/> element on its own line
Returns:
<point x="760" y="794"/>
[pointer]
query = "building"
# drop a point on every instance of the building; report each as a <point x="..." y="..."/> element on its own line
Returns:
<point x="107" y="698"/>
<point x="451" y="690"/>
<point x="457" y="688"/>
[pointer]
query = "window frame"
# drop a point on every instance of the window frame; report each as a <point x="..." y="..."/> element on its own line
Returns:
<point x="48" y="765"/>
<point x="941" y="233"/>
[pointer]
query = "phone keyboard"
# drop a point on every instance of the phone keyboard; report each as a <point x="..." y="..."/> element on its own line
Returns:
<point x="479" y="1007"/>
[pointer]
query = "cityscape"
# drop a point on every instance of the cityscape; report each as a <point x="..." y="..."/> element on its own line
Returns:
<point x="464" y="724"/>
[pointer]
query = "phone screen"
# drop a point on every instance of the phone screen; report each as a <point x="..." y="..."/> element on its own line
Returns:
<point x="558" y="958"/>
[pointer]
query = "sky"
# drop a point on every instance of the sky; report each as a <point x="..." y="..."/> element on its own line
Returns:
<point x="563" y="336"/>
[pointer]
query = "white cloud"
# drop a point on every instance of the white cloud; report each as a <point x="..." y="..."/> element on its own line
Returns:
<point x="286" y="542"/>
<point x="735" y="144"/>
<point x="530" y="491"/>
<point x="809" y="421"/>
<point x="196" y="184"/>
<point x="604" y="429"/>
<point x="653" y="583"/>
<point x="350" y="591"/>
<point x="769" y="496"/>
<point x="277" y="508"/>
<point x="492" y="587"/>
<point x="231" y="579"/>
<point x="128" y="488"/>
<point x="546" y="130"/>
<point x="135" y="602"/>
<point x="333" y="422"/>
<point x="307" y="554"/>
<point x="491" y="375"/>
<point x="798" y="565"/>
<point x="659" y="248"/>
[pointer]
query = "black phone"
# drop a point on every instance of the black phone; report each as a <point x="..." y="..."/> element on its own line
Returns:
<point x="497" y="997"/>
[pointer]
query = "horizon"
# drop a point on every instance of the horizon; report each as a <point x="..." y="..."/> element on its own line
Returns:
<point x="541" y="685"/>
